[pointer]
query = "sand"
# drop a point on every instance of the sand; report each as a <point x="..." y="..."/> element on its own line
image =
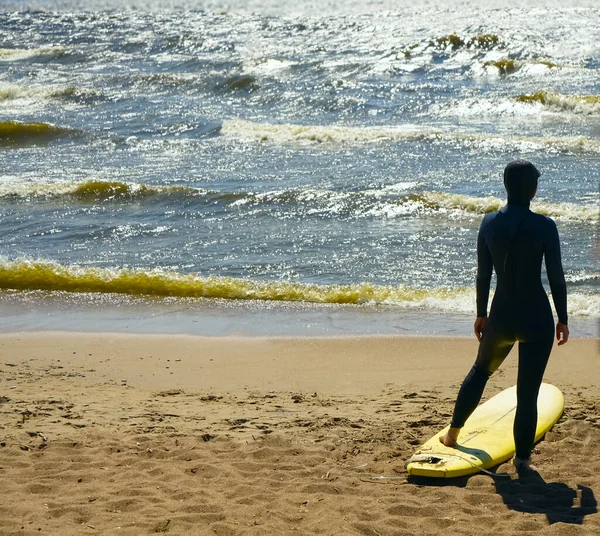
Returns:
<point x="129" y="435"/>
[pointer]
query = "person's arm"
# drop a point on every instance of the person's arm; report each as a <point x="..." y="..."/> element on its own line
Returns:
<point x="558" y="285"/>
<point x="484" y="275"/>
<point x="484" y="278"/>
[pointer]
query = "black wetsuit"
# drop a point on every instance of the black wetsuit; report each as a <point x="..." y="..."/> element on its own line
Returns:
<point x="513" y="241"/>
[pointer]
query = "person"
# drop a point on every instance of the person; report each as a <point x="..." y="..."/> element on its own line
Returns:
<point x="512" y="241"/>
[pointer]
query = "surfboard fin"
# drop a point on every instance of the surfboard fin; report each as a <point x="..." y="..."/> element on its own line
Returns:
<point x="424" y="458"/>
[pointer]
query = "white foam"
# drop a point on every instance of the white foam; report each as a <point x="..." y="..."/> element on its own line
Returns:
<point x="339" y="134"/>
<point x="536" y="69"/>
<point x="580" y="304"/>
<point x="395" y="210"/>
<point x="10" y="92"/>
<point x="16" y="54"/>
<point x="401" y="186"/>
<point x="486" y="107"/>
<point x="582" y="278"/>
<point x="464" y="205"/>
<point x="287" y="133"/>
<point x="463" y="301"/>
<point x="267" y="66"/>
<point x="483" y="205"/>
<point x="585" y="105"/>
<point x="14" y="186"/>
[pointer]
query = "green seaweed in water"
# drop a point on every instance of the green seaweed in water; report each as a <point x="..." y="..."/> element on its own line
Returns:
<point x="408" y="50"/>
<point x="96" y="190"/>
<point x="484" y="41"/>
<point x="242" y="82"/>
<point x="504" y="66"/>
<point x="17" y="133"/>
<point x="452" y="40"/>
<point x="538" y="96"/>
<point x="568" y="101"/>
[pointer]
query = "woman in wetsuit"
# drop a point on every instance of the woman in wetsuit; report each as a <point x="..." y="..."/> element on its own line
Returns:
<point x="513" y="241"/>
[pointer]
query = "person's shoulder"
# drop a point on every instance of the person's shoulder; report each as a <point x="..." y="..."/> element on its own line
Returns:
<point x="543" y="219"/>
<point x="487" y="220"/>
<point x="545" y="223"/>
<point x="490" y="216"/>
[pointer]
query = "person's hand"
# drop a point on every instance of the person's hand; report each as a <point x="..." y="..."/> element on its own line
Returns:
<point x="479" y="327"/>
<point x="562" y="333"/>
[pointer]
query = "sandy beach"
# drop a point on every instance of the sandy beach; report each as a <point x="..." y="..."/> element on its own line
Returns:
<point x="141" y="434"/>
<point x="242" y="243"/>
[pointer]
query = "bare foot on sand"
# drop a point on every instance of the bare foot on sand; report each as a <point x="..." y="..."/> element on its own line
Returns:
<point x="450" y="438"/>
<point x="523" y="465"/>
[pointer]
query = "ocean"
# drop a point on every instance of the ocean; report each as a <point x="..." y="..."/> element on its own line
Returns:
<point x="266" y="168"/>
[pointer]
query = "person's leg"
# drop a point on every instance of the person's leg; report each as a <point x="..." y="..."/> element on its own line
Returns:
<point x="493" y="349"/>
<point x="533" y="357"/>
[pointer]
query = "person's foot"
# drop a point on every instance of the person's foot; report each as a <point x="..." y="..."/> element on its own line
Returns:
<point x="522" y="465"/>
<point x="450" y="438"/>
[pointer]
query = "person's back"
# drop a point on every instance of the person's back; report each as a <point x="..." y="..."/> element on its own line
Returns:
<point x="513" y="241"/>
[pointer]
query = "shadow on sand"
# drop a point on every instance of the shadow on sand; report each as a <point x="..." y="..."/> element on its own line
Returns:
<point x="560" y="503"/>
<point x="529" y="492"/>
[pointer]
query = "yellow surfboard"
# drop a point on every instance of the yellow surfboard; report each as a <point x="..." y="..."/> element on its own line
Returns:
<point x="487" y="438"/>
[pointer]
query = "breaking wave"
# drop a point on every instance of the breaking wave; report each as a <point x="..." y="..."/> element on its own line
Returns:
<point x="483" y="205"/>
<point x="26" y="275"/>
<point x="10" y="92"/>
<point x="97" y="190"/>
<point x="16" y="133"/>
<point x="338" y="134"/>
<point x="579" y="104"/>
<point x="17" y="54"/>
<point x="390" y="201"/>
<point x="50" y="276"/>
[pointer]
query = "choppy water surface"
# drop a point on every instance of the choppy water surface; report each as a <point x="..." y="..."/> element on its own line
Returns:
<point x="258" y="151"/>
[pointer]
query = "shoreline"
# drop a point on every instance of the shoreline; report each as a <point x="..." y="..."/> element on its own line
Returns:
<point x="335" y="365"/>
<point x="39" y="311"/>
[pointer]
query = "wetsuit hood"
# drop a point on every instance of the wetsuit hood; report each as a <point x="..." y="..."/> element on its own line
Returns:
<point x="520" y="181"/>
